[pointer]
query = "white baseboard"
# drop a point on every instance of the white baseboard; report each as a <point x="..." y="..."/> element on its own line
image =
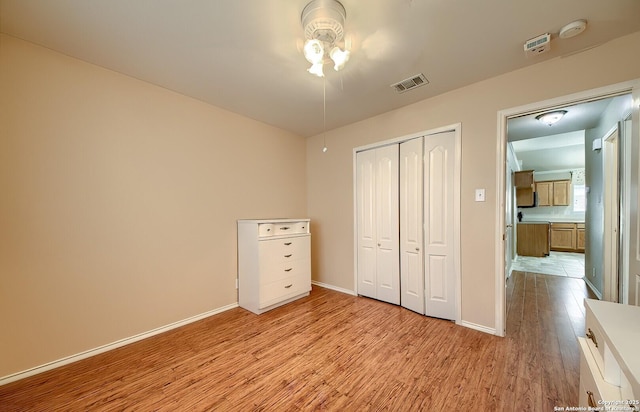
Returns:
<point x="337" y="289"/>
<point x="477" y="327"/>
<point x="593" y="288"/>
<point x="104" y="348"/>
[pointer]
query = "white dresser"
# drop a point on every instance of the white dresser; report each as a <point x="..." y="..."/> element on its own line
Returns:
<point x="274" y="262"/>
<point x="610" y="357"/>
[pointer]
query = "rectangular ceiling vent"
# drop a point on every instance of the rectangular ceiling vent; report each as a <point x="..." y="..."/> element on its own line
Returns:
<point x="410" y="83"/>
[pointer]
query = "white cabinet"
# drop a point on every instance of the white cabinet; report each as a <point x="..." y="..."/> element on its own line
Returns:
<point x="274" y="262"/>
<point x="609" y="357"/>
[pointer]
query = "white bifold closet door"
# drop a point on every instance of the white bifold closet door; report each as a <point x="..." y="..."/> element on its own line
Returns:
<point x="405" y="224"/>
<point x="439" y="234"/>
<point x="411" y="247"/>
<point x="378" y="224"/>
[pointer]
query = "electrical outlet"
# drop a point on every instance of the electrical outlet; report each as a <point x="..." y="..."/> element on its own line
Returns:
<point x="480" y="195"/>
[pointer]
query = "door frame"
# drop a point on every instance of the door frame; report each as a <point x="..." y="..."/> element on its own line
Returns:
<point x="501" y="152"/>
<point x="610" y="173"/>
<point x="457" y="179"/>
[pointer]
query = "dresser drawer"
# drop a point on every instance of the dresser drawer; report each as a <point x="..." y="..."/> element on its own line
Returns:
<point x="594" y="391"/>
<point x="265" y="229"/>
<point x="284" y="270"/>
<point x="274" y="251"/>
<point x="279" y="290"/>
<point x="595" y="339"/>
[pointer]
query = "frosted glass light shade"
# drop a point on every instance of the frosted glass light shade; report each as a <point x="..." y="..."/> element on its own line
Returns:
<point x="316" y="69"/>
<point x="314" y="51"/>
<point x="551" y="117"/>
<point x="339" y="57"/>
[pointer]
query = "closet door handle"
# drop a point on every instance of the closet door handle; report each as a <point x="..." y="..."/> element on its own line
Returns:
<point x="288" y="256"/>
<point x="591" y="400"/>
<point x="288" y="270"/>
<point x="417" y="249"/>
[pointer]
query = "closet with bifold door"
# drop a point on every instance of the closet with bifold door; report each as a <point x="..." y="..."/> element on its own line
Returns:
<point x="405" y="224"/>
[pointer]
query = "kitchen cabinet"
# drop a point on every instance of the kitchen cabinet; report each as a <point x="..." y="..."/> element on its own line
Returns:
<point x="554" y="193"/>
<point x="580" y="237"/>
<point x="533" y="239"/>
<point x="525" y="188"/>
<point x="568" y="237"/>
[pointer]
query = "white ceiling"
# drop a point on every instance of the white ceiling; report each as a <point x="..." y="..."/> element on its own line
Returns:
<point x="244" y="55"/>
<point x="561" y="146"/>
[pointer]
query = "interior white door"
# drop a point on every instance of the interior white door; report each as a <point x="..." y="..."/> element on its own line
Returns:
<point x="378" y="224"/>
<point x="411" y="227"/>
<point x="439" y="264"/>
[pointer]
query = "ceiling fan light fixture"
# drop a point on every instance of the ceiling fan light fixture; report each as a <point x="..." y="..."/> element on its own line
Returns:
<point x="323" y="24"/>
<point x="551" y="118"/>
<point x="340" y="57"/>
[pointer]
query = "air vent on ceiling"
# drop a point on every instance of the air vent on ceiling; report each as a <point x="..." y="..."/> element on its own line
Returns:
<point x="410" y="83"/>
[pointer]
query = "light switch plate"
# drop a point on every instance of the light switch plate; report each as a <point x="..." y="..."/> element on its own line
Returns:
<point x="480" y="195"/>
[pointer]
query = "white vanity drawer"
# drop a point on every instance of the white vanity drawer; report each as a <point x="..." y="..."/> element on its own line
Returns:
<point x="593" y="389"/>
<point x="279" y="290"/>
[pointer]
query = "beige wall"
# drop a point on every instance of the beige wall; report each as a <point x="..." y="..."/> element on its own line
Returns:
<point x="330" y="190"/>
<point x="118" y="202"/>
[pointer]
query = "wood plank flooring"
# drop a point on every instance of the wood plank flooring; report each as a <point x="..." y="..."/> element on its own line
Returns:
<point x="333" y="351"/>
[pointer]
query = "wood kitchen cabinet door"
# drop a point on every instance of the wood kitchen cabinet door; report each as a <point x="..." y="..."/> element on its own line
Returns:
<point x="554" y="193"/>
<point x="563" y="236"/>
<point x="561" y="193"/>
<point x="580" y="237"/>
<point x="545" y="193"/>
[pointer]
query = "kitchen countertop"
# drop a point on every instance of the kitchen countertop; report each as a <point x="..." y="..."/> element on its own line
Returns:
<point x="551" y="220"/>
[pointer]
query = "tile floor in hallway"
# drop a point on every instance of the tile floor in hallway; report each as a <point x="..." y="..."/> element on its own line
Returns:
<point x="557" y="263"/>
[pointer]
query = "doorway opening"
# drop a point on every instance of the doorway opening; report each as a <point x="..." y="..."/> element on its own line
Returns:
<point x="583" y="211"/>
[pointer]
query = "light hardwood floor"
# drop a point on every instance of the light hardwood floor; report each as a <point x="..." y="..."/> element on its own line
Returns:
<point x="333" y="351"/>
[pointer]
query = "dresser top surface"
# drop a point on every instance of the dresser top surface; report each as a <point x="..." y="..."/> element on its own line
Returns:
<point x="275" y="220"/>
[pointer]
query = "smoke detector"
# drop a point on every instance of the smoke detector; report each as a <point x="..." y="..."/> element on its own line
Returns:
<point x="573" y="29"/>
<point x="537" y="45"/>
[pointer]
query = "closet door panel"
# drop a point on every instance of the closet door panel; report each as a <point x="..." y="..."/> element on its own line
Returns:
<point x="366" y="223"/>
<point x="411" y="263"/>
<point x="387" y="224"/>
<point x="439" y="152"/>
